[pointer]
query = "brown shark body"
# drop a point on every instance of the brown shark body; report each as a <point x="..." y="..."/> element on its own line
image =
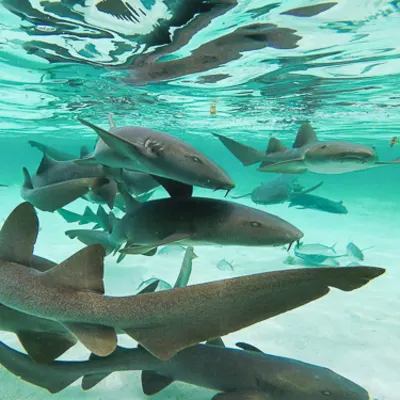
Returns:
<point x="164" y="322"/>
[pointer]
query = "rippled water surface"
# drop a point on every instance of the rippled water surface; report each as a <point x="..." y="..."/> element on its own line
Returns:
<point x="247" y="69"/>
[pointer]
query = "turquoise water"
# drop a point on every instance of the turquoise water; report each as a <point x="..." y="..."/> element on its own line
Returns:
<point x="248" y="70"/>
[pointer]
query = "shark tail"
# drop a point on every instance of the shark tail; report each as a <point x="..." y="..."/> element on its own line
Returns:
<point x="241" y="196"/>
<point x="90" y="237"/>
<point x="309" y="190"/>
<point x="69" y="216"/>
<point x="45" y="376"/>
<point x="245" y="154"/>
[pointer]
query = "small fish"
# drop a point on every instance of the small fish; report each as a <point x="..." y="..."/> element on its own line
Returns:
<point x="290" y="260"/>
<point x="45" y="28"/>
<point x="394" y="141"/>
<point x="224" y="265"/>
<point x="316" y="253"/>
<point x="213" y="107"/>
<point x="353" y="251"/>
<point x="171" y="250"/>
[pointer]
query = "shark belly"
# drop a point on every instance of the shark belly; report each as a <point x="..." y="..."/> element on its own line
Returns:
<point x="336" y="168"/>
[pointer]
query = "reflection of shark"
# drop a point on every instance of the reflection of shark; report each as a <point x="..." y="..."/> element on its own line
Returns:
<point x="307" y="154"/>
<point x="245" y="374"/>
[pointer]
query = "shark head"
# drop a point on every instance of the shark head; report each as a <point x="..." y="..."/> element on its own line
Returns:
<point x="310" y="382"/>
<point x="184" y="163"/>
<point x="338" y="157"/>
<point x="246" y="226"/>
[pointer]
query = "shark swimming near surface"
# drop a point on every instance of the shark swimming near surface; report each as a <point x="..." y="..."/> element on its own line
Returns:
<point x="72" y="293"/>
<point x="307" y="154"/>
<point x="166" y="157"/>
<point x="237" y="374"/>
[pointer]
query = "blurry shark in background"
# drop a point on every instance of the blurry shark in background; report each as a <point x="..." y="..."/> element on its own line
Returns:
<point x="277" y="191"/>
<point x="307" y="154"/>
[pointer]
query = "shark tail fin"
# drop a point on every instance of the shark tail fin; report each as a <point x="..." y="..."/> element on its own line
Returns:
<point x="69" y="216"/>
<point x="305" y="136"/>
<point x="46" y="377"/>
<point x="245" y="154"/>
<point x="309" y="190"/>
<point x="45" y="347"/>
<point x="87" y="216"/>
<point x="152" y="382"/>
<point x="333" y="247"/>
<point x="275" y="146"/>
<point x="241" y="196"/>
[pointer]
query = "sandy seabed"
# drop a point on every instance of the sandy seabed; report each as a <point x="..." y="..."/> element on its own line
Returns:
<point x="356" y="334"/>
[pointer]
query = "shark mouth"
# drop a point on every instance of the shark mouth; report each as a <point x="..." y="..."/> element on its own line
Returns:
<point x="357" y="159"/>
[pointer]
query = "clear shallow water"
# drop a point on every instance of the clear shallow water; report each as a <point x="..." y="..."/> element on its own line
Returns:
<point x="267" y="72"/>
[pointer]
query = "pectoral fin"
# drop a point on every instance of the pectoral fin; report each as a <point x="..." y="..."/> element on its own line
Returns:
<point x="45" y="347"/>
<point x="149" y="249"/>
<point x="117" y="143"/>
<point x="153" y="383"/>
<point x="284" y="167"/>
<point x="99" y="339"/>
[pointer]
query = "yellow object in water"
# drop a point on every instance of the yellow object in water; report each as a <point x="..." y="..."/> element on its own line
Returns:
<point x="394" y="141"/>
<point x="213" y="107"/>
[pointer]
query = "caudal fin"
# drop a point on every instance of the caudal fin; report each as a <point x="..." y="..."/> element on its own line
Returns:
<point x="262" y="296"/>
<point x="45" y="376"/>
<point x="245" y="154"/>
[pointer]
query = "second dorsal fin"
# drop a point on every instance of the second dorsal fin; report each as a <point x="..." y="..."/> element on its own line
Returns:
<point x="305" y="136"/>
<point x="81" y="271"/>
<point x="275" y="146"/>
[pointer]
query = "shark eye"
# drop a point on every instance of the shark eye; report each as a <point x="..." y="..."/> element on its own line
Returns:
<point x="323" y="146"/>
<point x="196" y="159"/>
<point x="326" y="393"/>
<point x="255" y="224"/>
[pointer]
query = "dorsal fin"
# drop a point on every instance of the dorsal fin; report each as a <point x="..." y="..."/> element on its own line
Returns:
<point x="84" y="152"/>
<point x="130" y="203"/>
<point x="46" y="163"/>
<point x="82" y="271"/>
<point x="152" y="382"/>
<point x="27" y="179"/>
<point x="305" y="136"/>
<point x="18" y="235"/>
<point x="218" y="342"/>
<point x="248" y="347"/>
<point x="111" y="121"/>
<point x="275" y="146"/>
